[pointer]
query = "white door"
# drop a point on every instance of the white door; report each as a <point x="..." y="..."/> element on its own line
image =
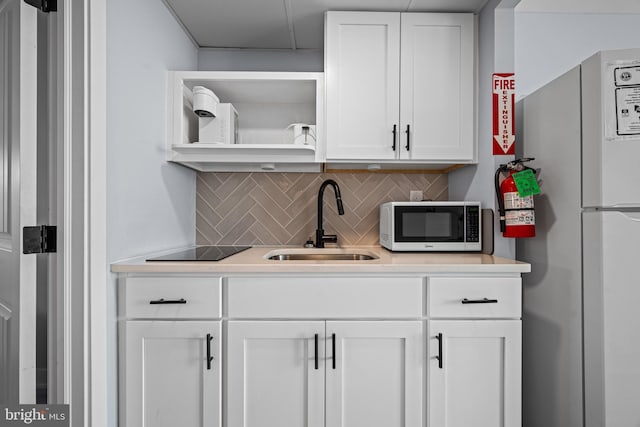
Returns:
<point x="17" y="200"/>
<point x="275" y="374"/>
<point x="167" y="378"/>
<point x="362" y="70"/>
<point x="374" y="373"/>
<point x="437" y="86"/>
<point x="474" y="374"/>
<point x="611" y="331"/>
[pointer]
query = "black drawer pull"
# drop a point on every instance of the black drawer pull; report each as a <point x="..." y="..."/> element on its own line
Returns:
<point x="209" y="356"/>
<point x="479" y="301"/>
<point x="315" y="351"/>
<point x="408" y="137"/>
<point x="394" y="138"/>
<point x="439" y="356"/>
<point x="333" y="350"/>
<point x="168" y="301"/>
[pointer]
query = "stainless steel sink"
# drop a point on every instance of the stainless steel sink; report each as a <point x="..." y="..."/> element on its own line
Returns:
<point x="320" y="255"/>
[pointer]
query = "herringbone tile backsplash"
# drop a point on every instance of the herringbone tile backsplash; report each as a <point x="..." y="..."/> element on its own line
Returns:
<point x="280" y="208"/>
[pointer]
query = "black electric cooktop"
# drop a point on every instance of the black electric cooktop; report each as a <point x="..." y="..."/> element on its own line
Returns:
<point x="202" y="253"/>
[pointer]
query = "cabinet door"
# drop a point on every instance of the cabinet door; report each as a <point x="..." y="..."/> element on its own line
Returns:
<point x="362" y="71"/>
<point x="374" y="373"/>
<point x="437" y="86"/>
<point x="167" y="380"/>
<point x="273" y="378"/>
<point x="477" y="380"/>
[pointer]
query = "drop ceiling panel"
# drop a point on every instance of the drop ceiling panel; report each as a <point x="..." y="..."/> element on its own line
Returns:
<point x="308" y="16"/>
<point x="447" y="5"/>
<point x="285" y="24"/>
<point x="256" y="24"/>
<point x="579" y="6"/>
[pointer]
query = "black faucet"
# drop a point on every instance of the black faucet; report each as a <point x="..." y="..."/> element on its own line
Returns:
<point x="320" y="236"/>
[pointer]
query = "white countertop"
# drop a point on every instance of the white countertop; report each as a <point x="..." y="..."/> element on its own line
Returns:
<point x="253" y="261"/>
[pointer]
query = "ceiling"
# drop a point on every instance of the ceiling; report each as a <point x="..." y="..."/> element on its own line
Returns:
<point x="579" y="6"/>
<point x="284" y="24"/>
<point x="298" y="24"/>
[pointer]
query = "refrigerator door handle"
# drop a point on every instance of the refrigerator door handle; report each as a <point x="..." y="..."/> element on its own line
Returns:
<point x="625" y="206"/>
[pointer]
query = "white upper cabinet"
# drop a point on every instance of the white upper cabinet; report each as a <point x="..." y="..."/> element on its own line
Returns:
<point x="400" y="88"/>
<point x="362" y="63"/>
<point x="436" y="87"/>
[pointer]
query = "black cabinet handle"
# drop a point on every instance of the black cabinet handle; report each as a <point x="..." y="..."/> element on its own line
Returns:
<point x="315" y="351"/>
<point x="408" y="137"/>
<point x="394" y="138"/>
<point x="479" y="301"/>
<point x="168" y="301"/>
<point x="333" y="351"/>
<point x="209" y="356"/>
<point x="439" y="356"/>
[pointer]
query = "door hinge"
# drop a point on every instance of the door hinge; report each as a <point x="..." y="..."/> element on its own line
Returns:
<point x="39" y="239"/>
<point x="44" y="5"/>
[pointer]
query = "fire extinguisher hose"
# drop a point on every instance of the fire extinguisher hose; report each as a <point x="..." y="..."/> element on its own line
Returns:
<point x="501" y="210"/>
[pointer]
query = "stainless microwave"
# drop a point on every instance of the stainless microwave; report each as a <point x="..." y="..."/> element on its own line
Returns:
<point x="431" y="226"/>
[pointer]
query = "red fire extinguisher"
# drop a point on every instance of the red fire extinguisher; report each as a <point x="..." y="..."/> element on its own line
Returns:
<point x="517" y="216"/>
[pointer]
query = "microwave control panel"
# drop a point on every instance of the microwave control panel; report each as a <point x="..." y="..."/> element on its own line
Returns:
<point x="472" y="214"/>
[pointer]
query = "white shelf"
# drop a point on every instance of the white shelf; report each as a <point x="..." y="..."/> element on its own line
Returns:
<point x="267" y="102"/>
<point x="246" y="157"/>
<point x="199" y="148"/>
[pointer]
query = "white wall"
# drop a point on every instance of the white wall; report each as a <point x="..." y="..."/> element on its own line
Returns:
<point x="476" y="182"/>
<point x="549" y="44"/>
<point x="472" y="182"/>
<point x="144" y="41"/>
<point x="302" y="60"/>
<point x="150" y="203"/>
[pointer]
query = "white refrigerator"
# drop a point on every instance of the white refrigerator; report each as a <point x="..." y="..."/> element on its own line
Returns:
<point x="581" y="319"/>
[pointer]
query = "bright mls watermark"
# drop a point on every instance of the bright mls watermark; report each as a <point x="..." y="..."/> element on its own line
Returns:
<point x="36" y="415"/>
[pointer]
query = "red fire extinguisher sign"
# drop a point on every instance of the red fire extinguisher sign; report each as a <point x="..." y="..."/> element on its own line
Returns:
<point x="503" y="113"/>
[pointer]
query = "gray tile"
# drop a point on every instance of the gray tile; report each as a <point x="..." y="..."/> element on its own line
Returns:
<point x="265" y="208"/>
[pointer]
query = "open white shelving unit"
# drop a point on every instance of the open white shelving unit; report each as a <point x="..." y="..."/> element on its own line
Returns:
<point x="267" y="103"/>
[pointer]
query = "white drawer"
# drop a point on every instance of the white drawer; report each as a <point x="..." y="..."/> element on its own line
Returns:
<point x="171" y="297"/>
<point x="467" y="297"/>
<point x="325" y="297"/>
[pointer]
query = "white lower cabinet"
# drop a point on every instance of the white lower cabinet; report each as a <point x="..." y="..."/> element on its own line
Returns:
<point x="374" y="373"/>
<point x="171" y="373"/>
<point x="312" y="351"/>
<point x="475" y="373"/>
<point x="273" y="375"/>
<point x="277" y="372"/>
<point x="170" y="368"/>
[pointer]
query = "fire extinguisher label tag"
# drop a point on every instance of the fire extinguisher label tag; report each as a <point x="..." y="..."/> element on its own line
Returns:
<point x="526" y="183"/>
<point x="519" y="210"/>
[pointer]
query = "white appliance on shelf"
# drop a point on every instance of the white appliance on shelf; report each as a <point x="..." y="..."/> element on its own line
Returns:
<point x="581" y="346"/>
<point x="221" y="129"/>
